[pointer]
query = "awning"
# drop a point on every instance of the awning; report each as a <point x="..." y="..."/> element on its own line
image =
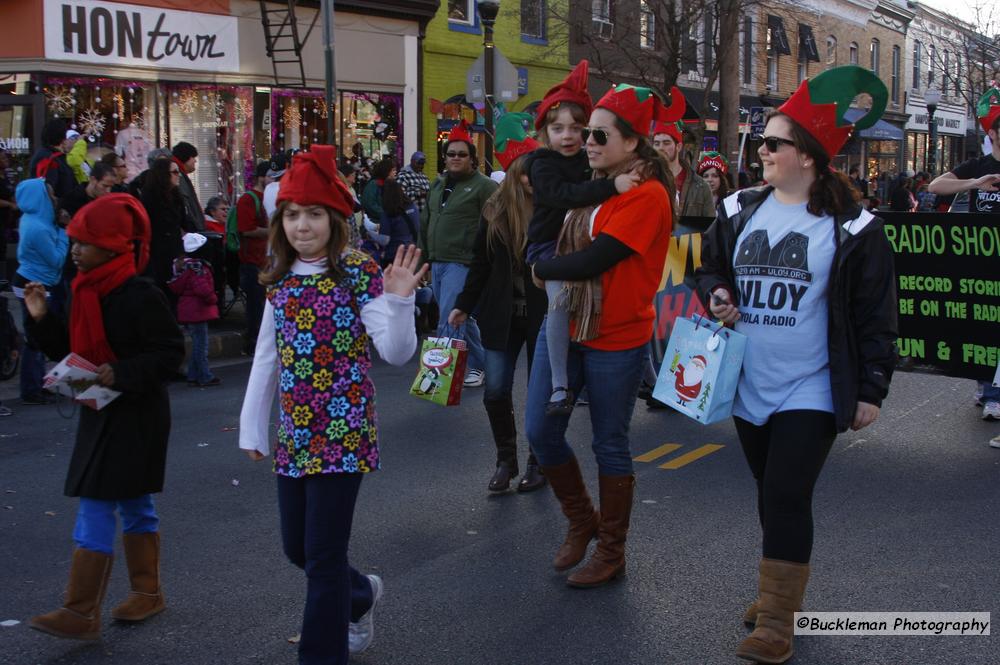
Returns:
<point x="880" y="131"/>
<point x="779" y="40"/>
<point x="807" y="44"/>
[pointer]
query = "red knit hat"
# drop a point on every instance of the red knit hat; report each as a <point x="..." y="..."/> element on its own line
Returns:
<point x="572" y="89"/>
<point x="312" y="180"/>
<point x="113" y="222"/>
<point x="666" y="122"/>
<point x="819" y="104"/>
<point x="639" y="107"/>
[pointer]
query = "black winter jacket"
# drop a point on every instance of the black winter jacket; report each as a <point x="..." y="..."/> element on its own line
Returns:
<point x="489" y="286"/>
<point x="559" y="184"/>
<point x="121" y="450"/>
<point x="861" y="297"/>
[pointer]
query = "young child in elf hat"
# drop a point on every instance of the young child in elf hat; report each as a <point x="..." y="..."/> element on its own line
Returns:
<point x="122" y="324"/>
<point x="197" y="304"/>
<point x="325" y="303"/>
<point x="561" y="180"/>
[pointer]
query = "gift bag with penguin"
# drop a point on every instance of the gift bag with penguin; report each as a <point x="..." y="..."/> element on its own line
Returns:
<point x="701" y="369"/>
<point x="442" y="371"/>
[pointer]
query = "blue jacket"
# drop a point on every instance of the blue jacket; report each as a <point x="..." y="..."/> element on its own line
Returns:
<point x="42" y="249"/>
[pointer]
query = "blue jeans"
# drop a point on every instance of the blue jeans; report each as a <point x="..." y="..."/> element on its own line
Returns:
<point x="612" y="379"/>
<point x="32" y="359"/>
<point x="95" y="521"/>
<point x="500" y="365"/>
<point x="255" y="302"/>
<point x="198" y="370"/>
<point x="317" y="512"/>
<point x="447" y="281"/>
<point x="990" y="394"/>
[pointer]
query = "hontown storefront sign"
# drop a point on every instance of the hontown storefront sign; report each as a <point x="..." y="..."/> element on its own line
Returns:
<point x="121" y="34"/>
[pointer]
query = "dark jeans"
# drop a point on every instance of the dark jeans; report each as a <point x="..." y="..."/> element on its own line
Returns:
<point x="254" y="291"/>
<point x="786" y="455"/>
<point x="316" y="516"/>
<point x="612" y="379"/>
<point x="32" y="359"/>
<point x="500" y="365"/>
<point x="198" y="369"/>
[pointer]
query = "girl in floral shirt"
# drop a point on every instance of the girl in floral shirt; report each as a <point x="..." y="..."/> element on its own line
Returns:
<point x="325" y="303"/>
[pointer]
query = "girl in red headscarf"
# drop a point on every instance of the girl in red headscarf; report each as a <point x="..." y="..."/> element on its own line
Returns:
<point x="122" y="324"/>
<point x="325" y="303"/>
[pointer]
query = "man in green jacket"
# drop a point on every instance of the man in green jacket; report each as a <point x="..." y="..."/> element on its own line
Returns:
<point x="448" y="229"/>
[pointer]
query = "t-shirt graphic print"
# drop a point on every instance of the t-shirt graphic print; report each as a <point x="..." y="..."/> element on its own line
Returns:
<point x="782" y="265"/>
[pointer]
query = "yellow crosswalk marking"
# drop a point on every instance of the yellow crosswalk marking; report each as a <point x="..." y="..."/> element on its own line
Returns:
<point x="656" y="453"/>
<point x="692" y="456"/>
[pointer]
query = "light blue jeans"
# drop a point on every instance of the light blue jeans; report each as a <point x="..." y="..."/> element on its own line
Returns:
<point x="96" y="523"/>
<point x="447" y="281"/>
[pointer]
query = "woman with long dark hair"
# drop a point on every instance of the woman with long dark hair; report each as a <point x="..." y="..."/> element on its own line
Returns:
<point x="806" y="274"/>
<point x="612" y="255"/>
<point x="714" y="168"/>
<point x="510" y="307"/>
<point x="161" y="197"/>
<point x="400" y="221"/>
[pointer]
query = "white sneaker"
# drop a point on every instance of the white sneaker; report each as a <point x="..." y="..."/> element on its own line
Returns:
<point x="995" y="442"/>
<point x="475" y="378"/>
<point x="978" y="395"/>
<point x="361" y="634"/>
<point x="991" y="411"/>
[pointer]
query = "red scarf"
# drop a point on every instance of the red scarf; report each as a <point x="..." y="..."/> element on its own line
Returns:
<point x="86" y="321"/>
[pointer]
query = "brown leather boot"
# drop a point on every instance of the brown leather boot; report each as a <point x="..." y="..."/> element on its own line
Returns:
<point x="750" y="616"/>
<point x="80" y="616"/>
<point x="567" y="485"/>
<point x="608" y="560"/>
<point x="782" y="585"/>
<point x="142" y="554"/>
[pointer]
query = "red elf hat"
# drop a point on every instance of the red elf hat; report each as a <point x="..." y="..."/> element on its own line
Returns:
<point x="572" y="89"/>
<point x="460" y="132"/>
<point x="512" y="140"/>
<point x="638" y="106"/>
<point x="312" y="180"/>
<point x="820" y="103"/>
<point x="666" y="122"/>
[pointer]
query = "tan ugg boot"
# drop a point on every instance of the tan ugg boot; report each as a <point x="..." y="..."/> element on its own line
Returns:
<point x="142" y="554"/>
<point x="567" y="485"/>
<point x="782" y="586"/>
<point x="608" y="560"/>
<point x="80" y="616"/>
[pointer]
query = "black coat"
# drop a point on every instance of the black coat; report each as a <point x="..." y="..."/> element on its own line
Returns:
<point x="559" y="184"/>
<point x="490" y="287"/>
<point x="861" y="297"/>
<point x="166" y="221"/>
<point x="121" y="450"/>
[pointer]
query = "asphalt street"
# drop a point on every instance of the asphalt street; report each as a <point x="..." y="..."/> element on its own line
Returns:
<point x="906" y="520"/>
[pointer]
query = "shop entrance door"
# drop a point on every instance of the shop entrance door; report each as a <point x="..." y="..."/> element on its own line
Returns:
<point x="21" y="120"/>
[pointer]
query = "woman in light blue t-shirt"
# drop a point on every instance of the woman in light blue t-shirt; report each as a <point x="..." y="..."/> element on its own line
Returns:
<point x="806" y="274"/>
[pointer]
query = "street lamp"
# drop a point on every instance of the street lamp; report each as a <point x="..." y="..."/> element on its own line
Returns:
<point x="931" y="98"/>
<point x="488" y="10"/>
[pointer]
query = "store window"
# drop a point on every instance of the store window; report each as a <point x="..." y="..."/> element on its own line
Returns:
<point x="372" y="125"/>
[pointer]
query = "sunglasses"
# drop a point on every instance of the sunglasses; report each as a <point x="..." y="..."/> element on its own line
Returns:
<point x="773" y="143"/>
<point x="600" y="135"/>
<point x="457" y="155"/>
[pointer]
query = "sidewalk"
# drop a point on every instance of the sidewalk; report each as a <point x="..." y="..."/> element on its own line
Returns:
<point x="225" y="342"/>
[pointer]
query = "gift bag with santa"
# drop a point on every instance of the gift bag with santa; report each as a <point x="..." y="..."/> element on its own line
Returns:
<point x="701" y="369"/>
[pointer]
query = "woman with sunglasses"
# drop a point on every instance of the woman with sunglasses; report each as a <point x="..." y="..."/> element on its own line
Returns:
<point x="161" y="196"/>
<point x="613" y="255"/>
<point x="802" y="270"/>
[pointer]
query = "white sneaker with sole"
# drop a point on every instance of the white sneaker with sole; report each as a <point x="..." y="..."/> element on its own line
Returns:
<point x="475" y="378"/>
<point x="361" y="634"/>
<point x="995" y="442"/>
<point x="991" y="411"/>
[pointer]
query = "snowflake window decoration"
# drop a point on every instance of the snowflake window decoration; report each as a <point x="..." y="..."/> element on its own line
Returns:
<point x="91" y="122"/>
<point x="187" y="101"/>
<point x="60" y="100"/>
<point x="292" y="116"/>
<point x="242" y="109"/>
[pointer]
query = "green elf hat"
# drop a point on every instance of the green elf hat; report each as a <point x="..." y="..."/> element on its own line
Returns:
<point x="712" y="160"/>
<point x="820" y="103"/>
<point x="988" y="108"/>
<point x="512" y="139"/>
